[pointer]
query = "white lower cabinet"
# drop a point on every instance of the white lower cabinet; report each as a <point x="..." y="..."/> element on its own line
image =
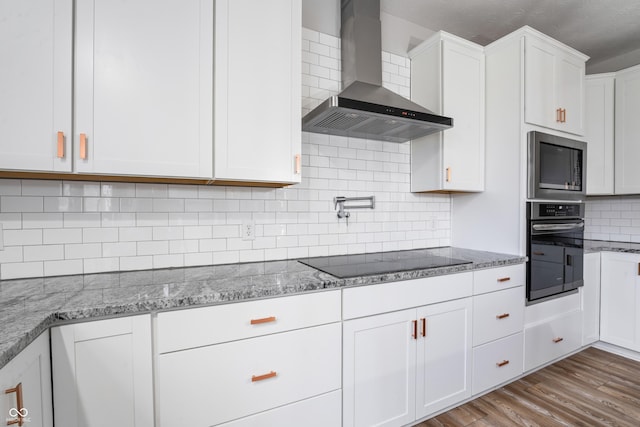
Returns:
<point x="497" y="362"/>
<point x="620" y="300"/>
<point x="552" y="339"/>
<point x="320" y="411"/>
<point x="102" y="373"/>
<point x="25" y="386"/>
<point x="256" y="363"/>
<point x="590" y="299"/>
<point x="404" y="365"/>
<point x="223" y="382"/>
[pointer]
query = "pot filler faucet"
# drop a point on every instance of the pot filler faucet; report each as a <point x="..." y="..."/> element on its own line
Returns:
<point x="340" y="201"/>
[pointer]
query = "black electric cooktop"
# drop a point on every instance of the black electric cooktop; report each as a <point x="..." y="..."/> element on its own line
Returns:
<point x="345" y="266"/>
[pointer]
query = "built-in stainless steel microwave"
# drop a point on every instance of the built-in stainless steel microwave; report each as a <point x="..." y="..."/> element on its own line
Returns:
<point x="556" y="167"/>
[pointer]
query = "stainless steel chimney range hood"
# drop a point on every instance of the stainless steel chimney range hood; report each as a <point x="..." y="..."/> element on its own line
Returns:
<point x="365" y="109"/>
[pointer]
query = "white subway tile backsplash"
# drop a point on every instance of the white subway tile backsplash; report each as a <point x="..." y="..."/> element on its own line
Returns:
<point x="136" y="263"/>
<point x="21" y="270"/>
<point x="152" y="219"/>
<point x="153" y="248"/>
<point x="63" y="268"/>
<point x="42" y="220"/>
<point x="84" y="250"/>
<point x="43" y="252"/>
<point x="168" y="233"/>
<point x="119" y="249"/>
<point x="10" y="187"/>
<point x="80" y="188"/>
<point x="41" y="188"/>
<point x="136" y="205"/>
<point x="98" y="265"/>
<point x="21" y="204"/>
<point x="22" y="237"/>
<point x="61" y="235"/>
<point x="11" y="254"/>
<point x="95" y="235"/>
<point x="82" y="220"/>
<point x="118" y="189"/>
<point x="168" y="261"/>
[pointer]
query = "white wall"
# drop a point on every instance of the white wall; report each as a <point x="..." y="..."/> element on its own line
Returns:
<point x="66" y="227"/>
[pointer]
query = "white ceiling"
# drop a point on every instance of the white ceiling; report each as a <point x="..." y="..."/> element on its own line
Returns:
<point x="606" y="30"/>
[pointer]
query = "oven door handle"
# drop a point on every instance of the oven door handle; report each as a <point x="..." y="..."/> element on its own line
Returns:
<point x="558" y="227"/>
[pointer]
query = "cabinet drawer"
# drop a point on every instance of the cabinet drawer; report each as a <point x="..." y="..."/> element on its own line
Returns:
<point x="197" y="327"/>
<point x="497" y="362"/>
<point x="548" y="253"/>
<point x="320" y="411"/>
<point x="375" y="299"/>
<point x="224" y="382"/>
<point x="551" y="340"/>
<point x="496" y="279"/>
<point x="498" y="314"/>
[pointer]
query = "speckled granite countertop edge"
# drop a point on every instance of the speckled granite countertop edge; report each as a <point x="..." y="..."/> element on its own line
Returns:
<point x="78" y="305"/>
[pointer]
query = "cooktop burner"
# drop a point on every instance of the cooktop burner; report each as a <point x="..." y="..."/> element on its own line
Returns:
<point x="345" y="266"/>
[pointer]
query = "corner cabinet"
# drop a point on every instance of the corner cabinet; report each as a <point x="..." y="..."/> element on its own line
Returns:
<point x="25" y="386"/>
<point x="35" y="85"/>
<point x="554" y="84"/>
<point x="102" y="373"/>
<point x="599" y="113"/>
<point x="627" y="131"/>
<point x="257" y="87"/>
<point x="447" y="77"/>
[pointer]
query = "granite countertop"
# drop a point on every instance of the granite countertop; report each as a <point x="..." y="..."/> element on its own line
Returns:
<point x="30" y="306"/>
<point x="603" y="245"/>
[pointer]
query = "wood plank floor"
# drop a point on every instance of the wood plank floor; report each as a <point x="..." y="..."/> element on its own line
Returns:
<point x="590" y="388"/>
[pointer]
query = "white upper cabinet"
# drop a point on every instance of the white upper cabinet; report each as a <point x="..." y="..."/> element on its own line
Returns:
<point x="35" y="85"/>
<point x="144" y="91"/>
<point x="257" y="91"/>
<point x="447" y="77"/>
<point x="554" y="84"/>
<point x="627" y="131"/>
<point x="599" y="95"/>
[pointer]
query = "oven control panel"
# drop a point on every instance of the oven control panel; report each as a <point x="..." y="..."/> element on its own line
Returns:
<point x="557" y="210"/>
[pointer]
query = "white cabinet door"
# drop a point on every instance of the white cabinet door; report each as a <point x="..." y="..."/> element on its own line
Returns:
<point x="444" y="356"/>
<point x="590" y="299"/>
<point x="102" y="373"/>
<point x="29" y="373"/>
<point x="620" y="300"/>
<point x="144" y="90"/>
<point x="257" y="90"/>
<point x="599" y="96"/>
<point x="452" y="160"/>
<point x="379" y="370"/>
<point x="35" y="85"/>
<point x="627" y="131"/>
<point x="554" y="86"/>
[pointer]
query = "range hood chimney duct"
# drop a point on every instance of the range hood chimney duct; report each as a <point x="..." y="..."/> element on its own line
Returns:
<point x="365" y="109"/>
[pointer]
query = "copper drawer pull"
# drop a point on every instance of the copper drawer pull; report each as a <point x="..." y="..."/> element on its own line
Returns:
<point x="559" y="115"/>
<point x="502" y="316"/>
<point x="298" y="167"/>
<point x="19" y="411"/>
<point x="557" y="340"/>
<point x="255" y="378"/>
<point x="60" y="153"/>
<point x="448" y="174"/>
<point x="263" y="320"/>
<point x="503" y="363"/>
<point x="415" y="330"/>
<point x="539" y="253"/>
<point x="83" y="146"/>
<point x="424" y="327"/>
<point x="504" y="279"/>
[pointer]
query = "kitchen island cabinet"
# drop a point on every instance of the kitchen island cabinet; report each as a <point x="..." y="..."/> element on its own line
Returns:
<point x="404" y="365"/>
<point x="25" y="386"/>
<point x="102" y="373"/>
<point x="35" y="85"/>
<point x="448" y="78"/>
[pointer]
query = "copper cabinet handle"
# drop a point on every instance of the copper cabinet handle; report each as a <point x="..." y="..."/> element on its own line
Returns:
<point x="504" y="279"/>
<point x="263" y="320"/>
<point x="415" y="329"/>
<point x="448" y="174"/>
<point x="559" y="115"/>
<point x="20" y="411"/>
<point x="539" y="253"/>
<point x="424" y="327"/>
<point x="255" y="378"/>
<point x="83" y="146"/>
<point x="502" y="316"/>
<point x="503" y="363"/>
<point x="564" y="115"/>
<point x="60" y="153"/>
<point x="558" y="339"/>
<point x="298" y="166"/>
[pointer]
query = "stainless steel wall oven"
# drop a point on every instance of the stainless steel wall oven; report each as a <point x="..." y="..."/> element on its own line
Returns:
<point x="555" y="249"/>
